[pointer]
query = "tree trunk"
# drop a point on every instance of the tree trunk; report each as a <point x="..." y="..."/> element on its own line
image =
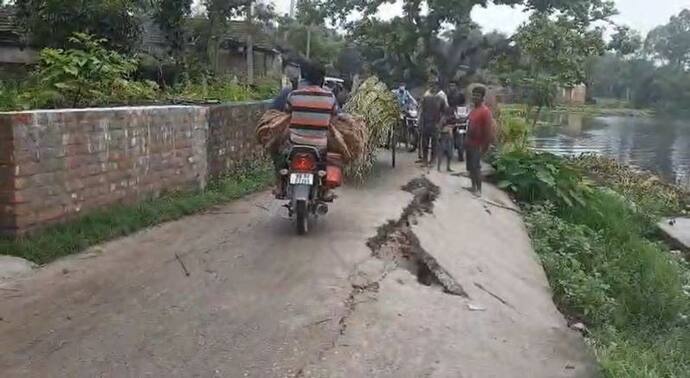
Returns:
<point x="250" y="44"/>
<point x="308" y="41"/>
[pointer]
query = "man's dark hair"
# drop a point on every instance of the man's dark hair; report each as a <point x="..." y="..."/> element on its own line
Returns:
<point x="314" y="73"/>
<point x="480" y="90"/>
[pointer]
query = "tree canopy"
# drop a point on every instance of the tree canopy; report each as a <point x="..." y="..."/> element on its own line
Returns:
<point x="671" y="42"/>
<point x="51" y="23"/>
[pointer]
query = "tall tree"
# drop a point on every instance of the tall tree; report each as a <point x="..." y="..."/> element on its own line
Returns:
<point x="170" y="15"/>
<point x="671" y="42"/>
<point x="625" y="41"/>
<point x="552" y="53"/>
<point x="413" y="40"/>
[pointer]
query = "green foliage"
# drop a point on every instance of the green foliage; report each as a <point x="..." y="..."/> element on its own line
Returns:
<point x="52" y="23"/>
<point x="551" y="53"/>
<point x="91" y="75"/>
<point x="655" y="77"/>
<point x="325" y="44"/>
<point x="120" y="220"/>
<point x="605" y="268"/>
<point x="170" y="15"/>
<point x="536" y="177"/>
<point x="87" y="75"/>
<point x="224" y="90"/>
<point x="9" y="95"/>
<point x="513" y="132"/>
<point x="671" y="42"/>
<point x="651" y="196"/>
<point x="571" y="255"/>
<point x="625" y="41"/>
<point x="627" y="289"/>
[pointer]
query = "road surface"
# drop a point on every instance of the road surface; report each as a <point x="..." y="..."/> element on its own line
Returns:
<point x="448" y="288"/>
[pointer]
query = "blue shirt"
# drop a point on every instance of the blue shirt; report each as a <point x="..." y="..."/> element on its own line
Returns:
<point x="404" y="97"/>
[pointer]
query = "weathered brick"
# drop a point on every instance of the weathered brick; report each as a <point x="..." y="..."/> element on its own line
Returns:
<point x="67" y="163"/>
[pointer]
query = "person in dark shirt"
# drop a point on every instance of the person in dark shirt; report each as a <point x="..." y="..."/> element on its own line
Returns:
<point x="446" y="141"/>
<point x="479" y="137"/>
<point x="433" y="106"/>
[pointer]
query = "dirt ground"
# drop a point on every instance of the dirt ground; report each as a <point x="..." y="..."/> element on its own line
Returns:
<point x="425" y="281"/>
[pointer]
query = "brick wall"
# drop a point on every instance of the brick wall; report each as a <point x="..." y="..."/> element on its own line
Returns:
<point x="231" y="137"/>
<point x="55" y="165"/>
<point x="6" y="175"/>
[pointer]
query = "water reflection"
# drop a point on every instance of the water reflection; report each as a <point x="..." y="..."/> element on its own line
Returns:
<point x="659" y="145"/>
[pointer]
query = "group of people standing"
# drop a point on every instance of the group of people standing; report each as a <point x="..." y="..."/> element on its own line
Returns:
<point x="438" y="117"/>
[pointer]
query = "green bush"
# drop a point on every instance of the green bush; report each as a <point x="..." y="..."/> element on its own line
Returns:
<point x="572" y="255"/>
<point x="513" y="133"/>
<point x="224" y="90"/>
<point x="535" y="177"/>
<point x="91" y="75"/>
<point x="651" y="195"/>
<point x="626" y="288"/>
<point x="9" y="95"/>
<point x="87" y="75"/>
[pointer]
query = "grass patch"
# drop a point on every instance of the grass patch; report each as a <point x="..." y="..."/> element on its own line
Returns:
<point x="608" y="270"/>
<point x="99" y="226"/>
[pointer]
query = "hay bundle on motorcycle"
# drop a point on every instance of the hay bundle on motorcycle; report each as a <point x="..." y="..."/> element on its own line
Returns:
<point x="347" y="134"/>
<point x="378" y="108"/>
<point x="315" y="143"/>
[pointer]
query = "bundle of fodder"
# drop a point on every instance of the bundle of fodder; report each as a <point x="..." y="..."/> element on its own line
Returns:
<point x="347" y="134"/>
<point x="272" y="130"/>
<point x="378" y="108"/>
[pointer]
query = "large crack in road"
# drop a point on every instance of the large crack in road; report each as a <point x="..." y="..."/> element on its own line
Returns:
<point x="397" y="247"/>
<point x="396" y="242"/>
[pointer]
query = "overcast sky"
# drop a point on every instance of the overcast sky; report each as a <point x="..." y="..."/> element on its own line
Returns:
<point x="642" y="15"/>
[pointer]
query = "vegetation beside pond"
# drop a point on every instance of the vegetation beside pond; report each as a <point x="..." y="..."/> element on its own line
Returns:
<point x="597" y="239"/>
<point x="620" y="110"/>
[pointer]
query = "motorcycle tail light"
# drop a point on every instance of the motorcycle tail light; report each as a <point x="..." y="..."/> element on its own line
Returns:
<point x="303" y="163"/>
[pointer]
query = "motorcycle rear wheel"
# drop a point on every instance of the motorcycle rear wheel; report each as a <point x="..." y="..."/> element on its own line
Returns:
<point x="302" y="217"/>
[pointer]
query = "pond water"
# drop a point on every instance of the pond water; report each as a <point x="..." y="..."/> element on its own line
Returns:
<point x="658" y="145"/>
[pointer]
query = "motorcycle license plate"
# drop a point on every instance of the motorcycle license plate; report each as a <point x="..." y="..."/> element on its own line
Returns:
<point x="301" y="179"/>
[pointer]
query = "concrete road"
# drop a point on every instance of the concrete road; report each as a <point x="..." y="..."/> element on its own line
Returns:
<point x="451" y="288"/>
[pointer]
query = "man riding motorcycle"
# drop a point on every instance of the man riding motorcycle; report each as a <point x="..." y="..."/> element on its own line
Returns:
<point x="311" y="106"/>
<point x="409" y="115"/>
<point x="405" y="98"/>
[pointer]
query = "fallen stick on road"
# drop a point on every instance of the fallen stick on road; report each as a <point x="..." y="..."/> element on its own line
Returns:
<point x="495" y="204"/>
<point x="481" y="287"/>
<point x="184" y="268"/>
